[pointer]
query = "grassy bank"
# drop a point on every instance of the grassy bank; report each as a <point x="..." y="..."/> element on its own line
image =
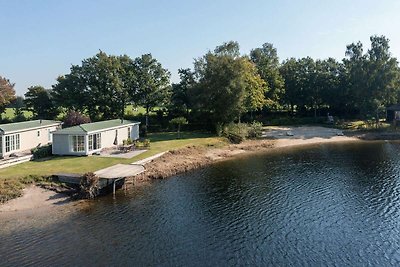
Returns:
<point x="13" y="179"/>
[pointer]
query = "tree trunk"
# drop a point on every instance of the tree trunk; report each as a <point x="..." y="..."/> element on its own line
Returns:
<point x="147" y="116"/>
<point x="179" y="131"/>
<point x="315" y="113"/>
<point x="123" y="110"/>
<point x="377" y="118"/>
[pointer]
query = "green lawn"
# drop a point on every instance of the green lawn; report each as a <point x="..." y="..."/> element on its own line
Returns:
<point x="159" y="142"/>
<point x="13" y="179"/>
<point x="130" y="109"/>
<point x="10" y="113"/>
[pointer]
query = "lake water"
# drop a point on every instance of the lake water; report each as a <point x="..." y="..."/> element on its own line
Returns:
<point x="335" y="205"/>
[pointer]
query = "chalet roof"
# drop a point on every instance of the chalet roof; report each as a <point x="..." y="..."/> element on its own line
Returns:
<point x="95" y="126"/>
<point x="26" y="125"/>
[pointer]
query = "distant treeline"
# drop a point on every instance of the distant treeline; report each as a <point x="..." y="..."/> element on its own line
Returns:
<point x="225" y="86"/>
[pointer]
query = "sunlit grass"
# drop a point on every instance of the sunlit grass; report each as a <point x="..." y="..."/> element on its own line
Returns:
<point x="10" y="114"/>
<point x="160" y="142"/>
<point x="14" y="178"/>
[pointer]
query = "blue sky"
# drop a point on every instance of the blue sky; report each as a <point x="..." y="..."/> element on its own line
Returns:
<point x="40" y="39"/>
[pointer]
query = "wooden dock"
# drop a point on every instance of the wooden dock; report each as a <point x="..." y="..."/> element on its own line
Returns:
<point x="120" y="171"/>
<point x="107" y="177"/>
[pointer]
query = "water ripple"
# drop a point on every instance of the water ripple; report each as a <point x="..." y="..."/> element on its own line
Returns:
<point x="335" y="205"/>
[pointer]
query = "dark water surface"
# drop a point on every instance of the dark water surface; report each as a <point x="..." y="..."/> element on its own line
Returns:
<point x="335" y="205"/>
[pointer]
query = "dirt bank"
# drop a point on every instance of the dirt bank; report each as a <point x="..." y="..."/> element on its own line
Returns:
<point x="189" y="158"/>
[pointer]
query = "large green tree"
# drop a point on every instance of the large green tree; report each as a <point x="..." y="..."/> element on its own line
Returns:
<point x="180" y="94"/>
<point x="373" y="77"/>
<point x="71" y="90"/>
<point x="101" y="86"/>
<point x="39" y="101"/>
<point x="228" y="84"/>
<point x="267" y="62"/>
<point x="152" y="84"/>
<point x="7" y="93"/>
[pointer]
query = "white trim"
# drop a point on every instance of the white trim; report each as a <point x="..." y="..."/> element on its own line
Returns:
<point x="113" y="128"/>
<point x="33" y="128"/>
<point x="97" y="131"/>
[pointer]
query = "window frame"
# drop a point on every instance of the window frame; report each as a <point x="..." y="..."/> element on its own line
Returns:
<point x="17" y="142"/>
<point x="77" y="144"/>
<point x="94" y="141"/>
<point x="12" y="143"/>
<point x="7" y="143"/>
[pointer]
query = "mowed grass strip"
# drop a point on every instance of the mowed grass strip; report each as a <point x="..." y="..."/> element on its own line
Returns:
<point x="160" y="142"/>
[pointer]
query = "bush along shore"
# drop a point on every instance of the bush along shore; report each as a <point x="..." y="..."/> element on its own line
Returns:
<point x="193" y="157"/>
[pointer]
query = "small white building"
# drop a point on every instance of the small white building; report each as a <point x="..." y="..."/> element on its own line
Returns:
<point x="23" y="136"/>
<point x="89" y="138"/>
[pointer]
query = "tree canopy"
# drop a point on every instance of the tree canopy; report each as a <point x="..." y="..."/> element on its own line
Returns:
<point x="267" y="62"/>
<point x="40" y="102"/>
<point x="152" y="86"/>
<point x="7" y="93"/>
<point x="228" y="84"/>
<point x="224" y="85"/>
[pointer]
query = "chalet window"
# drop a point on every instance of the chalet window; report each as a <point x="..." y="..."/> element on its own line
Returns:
<point x="91" y="142"/>
<point x="17" y="143"/>
<point x="8" y="143"/>
<point x="94" y="141"/>
<point x="129" y="132"/>
<point x="38" y="133"/>
<point x="78" y="143"/>
<point x="12" y="142"/>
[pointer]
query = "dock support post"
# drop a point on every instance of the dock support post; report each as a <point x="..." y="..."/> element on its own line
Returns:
<point x="114" y="187"/>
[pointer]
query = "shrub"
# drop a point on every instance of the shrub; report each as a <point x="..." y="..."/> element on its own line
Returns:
<point x="234" y="138"/>
<point x="89" y="186"/>
<point x="75" y="118"/>
<point x="41" y="152"/>
<point x="255" y="130"/>
<point x="144" y="144"/>
<point x="235" y="132"/>
<point x="178" y="122"/>
<point x="128" y="141"/>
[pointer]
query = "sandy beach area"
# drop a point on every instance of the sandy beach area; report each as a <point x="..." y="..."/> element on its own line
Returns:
<point x="186" y="159"/>
<point x="189" y="158"/>
<point x="34" y="197"/>
<point x="304" y="135"/>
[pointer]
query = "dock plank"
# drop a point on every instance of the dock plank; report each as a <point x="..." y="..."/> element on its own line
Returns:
<point x="120" y="171"/>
